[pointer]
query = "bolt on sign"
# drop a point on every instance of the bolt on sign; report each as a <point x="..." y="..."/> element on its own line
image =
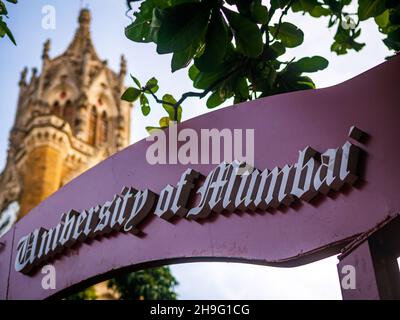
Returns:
<point x="223" y="190"/>
<point x="314" y="190"/>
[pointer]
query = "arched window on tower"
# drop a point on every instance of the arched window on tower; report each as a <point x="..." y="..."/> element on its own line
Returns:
<point x="69" y="113"/>
<point x="103" y="128"/>
<point x="92" y="126"/>
<point x="56" y="109"/>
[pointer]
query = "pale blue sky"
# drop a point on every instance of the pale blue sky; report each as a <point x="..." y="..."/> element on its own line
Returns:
<point x="224" y="280"/>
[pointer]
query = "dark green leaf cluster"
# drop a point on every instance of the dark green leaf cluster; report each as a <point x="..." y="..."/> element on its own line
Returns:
<point x="4" y="30"/>
<point x="389" y="23"/>
<point x="385" y="12"/>
<point x="232" y="46"/>
<point x="347" y="30"/>
<point x="150" y="284"/>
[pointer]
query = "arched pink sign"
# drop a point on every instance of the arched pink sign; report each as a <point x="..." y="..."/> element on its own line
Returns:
<point x="289" y="236"/>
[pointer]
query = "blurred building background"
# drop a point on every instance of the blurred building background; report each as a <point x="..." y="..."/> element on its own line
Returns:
<point x="69" y="118"/>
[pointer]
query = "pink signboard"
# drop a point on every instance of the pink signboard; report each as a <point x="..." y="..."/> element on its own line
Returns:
<point x="349" y="197"/>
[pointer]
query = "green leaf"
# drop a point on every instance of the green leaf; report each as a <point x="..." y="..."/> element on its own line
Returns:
<point x="216" y="43"/>
<point x="4" y="30"/>
<point x="170" y="109"/>
<point x="155" y="24"/>
<point x="345" y="40"/>
<point x="264" y="77"/>
<point x="342" y="35"/>
<point x="193" y="72"/>
<point x="214" y="100"/>
<point x="144" y="102"/>
<point x="135" y="80"/>
<point x="269" y="76"/>
<point x="383" y="19"/>
<point x="247" y="35"/>
<point x="304" y="83"/>
<point x="242" y="89"/>
<point x="144" y="27"/>
<point x="3" y="9"/>
<point x="139" y="29"/>
<point x="288" y="34"/>
<point x="206" y="79"/>
<point x="181" y="59"/>
<point x="164" y="122"/>
<point x="152" y="85"/>
<point x="393" y="40"/>
<point x="259" y="12"/>
<point x="357" y="46"/>
<point x="338" y="48"/>
<point x="341" y="48"/>
<point x="319" y="11"/>
<point x="309" y="64"/>
<point x="370" y="8"/>
<point x="289" y="82"/>
<point x="181" y="26"/>
<point x="150" y="130"/>
<point x="131" y="94"/>
<point x="316" y="9"/>
<point x="279" y="3"/>
<point x="12" y="1"/>
<point x="304" y="5"/>
<point x="278" y="48"/>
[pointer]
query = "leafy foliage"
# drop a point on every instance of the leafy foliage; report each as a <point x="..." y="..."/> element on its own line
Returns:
<point x="385" y="12"/>
<point x="233" y="47"/>
<point x="389" y="24"/>
<point x="4" y="30"/>
<point x="150" y="284"/>
<point x="289" y="35"/>
<point x="168" y="102"/>
<point x="87" y="294"/>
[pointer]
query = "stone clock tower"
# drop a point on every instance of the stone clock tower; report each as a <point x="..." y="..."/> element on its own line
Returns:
<point x="69" y="118"/>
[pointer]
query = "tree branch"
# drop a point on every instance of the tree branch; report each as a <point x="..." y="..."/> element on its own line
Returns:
<point x="160" y="101"/>
<point x="191" y="94"/>
<point x="284" y="12"/>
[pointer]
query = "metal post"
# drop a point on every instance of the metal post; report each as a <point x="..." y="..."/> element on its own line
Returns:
<point x="372" y="257"/>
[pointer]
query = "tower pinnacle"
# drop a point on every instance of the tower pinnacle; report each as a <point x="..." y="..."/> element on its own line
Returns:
<point x="69" y="117"/>
<point x="46" y="49"/>
<point x="84" y="18"/>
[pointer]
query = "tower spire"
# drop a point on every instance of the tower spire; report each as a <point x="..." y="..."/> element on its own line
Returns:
<point x="22" y="81"/>
<point x="122" y="68"/>
<point x="69" y="117"/>
<point x="84" y="19"/>
<point x="46" y="49"/>
<point x="82" y="42"/>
